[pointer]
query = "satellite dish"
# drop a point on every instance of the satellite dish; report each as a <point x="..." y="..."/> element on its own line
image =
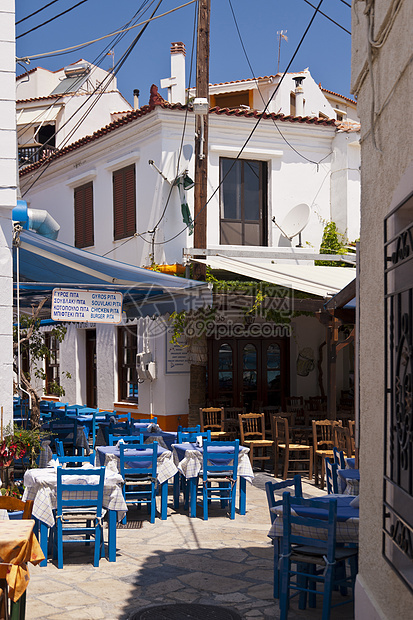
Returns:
<point x="295" y="221"/>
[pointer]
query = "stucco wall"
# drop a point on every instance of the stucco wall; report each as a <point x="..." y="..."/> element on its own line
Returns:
<point x="7" y="201"/>
<point x="380" y="592"/>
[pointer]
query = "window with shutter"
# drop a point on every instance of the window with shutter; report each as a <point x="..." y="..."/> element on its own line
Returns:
<point x="124" y="202"/>
<point x="84" y="232"/>
<point x="128" y="378"/>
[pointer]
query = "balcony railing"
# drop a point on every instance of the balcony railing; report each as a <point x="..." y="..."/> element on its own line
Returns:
<point x="33" y="154"/>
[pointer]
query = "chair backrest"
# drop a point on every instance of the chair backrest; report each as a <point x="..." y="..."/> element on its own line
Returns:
<point x="252" y="426"/>
<point x="212" y="418"/>
<point x="339" y="458"/>
<point x="135" y="439"/>
<point x="280" y="432"/>
<point x="189" y="429"/>
<point x="342" y="439"/>
<point x="316" y="403"/>
<point x="190" y="437"/>
<point x="271" y="487"/>
<point x="232" y="413"/>
<point x="119" y="428"/>
<point x="69" y="482"/>
<point x="323" y="434"/>
<point x="64" y="429"/>
<point x="79" y="459"/>
<point x="14" y="503"/>
<point x="121" y="417"/>
<point x="331" y="476"/>
<point x="219" y="457"/>
<point x="147" y="420"/>
<point x="293" y="403"/>
<point x="323" y="517"/>
<point x="138" y="459"/>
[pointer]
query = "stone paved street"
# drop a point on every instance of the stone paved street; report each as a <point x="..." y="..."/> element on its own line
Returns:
<point x="217" y="562"/>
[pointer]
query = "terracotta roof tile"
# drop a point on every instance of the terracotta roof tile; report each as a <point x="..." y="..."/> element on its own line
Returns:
<point x="157" y="101"/>
<point x="348" y="126"/>
<point x="338" y="95"/>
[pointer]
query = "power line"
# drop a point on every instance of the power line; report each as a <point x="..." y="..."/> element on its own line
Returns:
<point x="329" y="18"/>
<point x="35" y="13"/>
<point x="262" y="98"/>
<point x="51" y="19"/>
<point x="346" y="3"/>
<point x="257" y="122"/>
<point x="81" y="45"/>
<point x="102" y="86"/>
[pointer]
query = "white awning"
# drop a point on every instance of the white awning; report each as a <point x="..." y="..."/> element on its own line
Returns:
<point x="322" y="281"/>
<point x="32" y="116"/>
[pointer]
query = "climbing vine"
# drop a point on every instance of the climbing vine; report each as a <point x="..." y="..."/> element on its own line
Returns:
<point x="333" y="242"/>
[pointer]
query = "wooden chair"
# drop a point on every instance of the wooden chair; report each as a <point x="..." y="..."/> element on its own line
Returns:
<point x="213" y="419"/>
<point x="295" y="454"/>
<point x="316" y="403"/>
<point x="295" y="404"/>
<point x="231" y="421"/>
<point x="13" y="503"/>
<point x="342" y="440"/>
<point x="252" y="431"/>
<point x="352" y="429"/>
<point x="269" y="412"/>
<point x="331" y="476"/>
<point x="323" y="443"/>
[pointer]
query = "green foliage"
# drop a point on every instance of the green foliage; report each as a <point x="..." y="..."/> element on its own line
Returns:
<point x="178" y="321"/>
<point x="333" y="242"/>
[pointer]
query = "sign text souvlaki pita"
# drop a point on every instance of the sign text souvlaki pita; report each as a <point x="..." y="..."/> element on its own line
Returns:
<point x="93" y="306"/>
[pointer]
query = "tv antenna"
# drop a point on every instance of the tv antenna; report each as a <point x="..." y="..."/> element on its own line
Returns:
<point x="294" y="222"/>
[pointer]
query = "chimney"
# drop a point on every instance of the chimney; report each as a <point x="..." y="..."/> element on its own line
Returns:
<point x="176" y="83"/>
<point x="136" y="99"/>
<point x="299" y="95"/>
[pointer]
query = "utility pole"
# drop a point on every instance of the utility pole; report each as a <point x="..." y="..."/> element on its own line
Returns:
<point x="201" y="129"/>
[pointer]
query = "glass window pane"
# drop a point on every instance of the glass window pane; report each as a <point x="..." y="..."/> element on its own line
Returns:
<point x="251" y="190"/>
<point x="273" y="356"/>
<point x="249" y="357"/>
<point x="249" y="380"/>
<point x="225" y="357"/>
<point x="231" y="189"/>
<point x="273" y="379"/>
<point x="225" y="380"/>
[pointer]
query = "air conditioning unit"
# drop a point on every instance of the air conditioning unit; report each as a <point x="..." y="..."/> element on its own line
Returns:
<point x="145" y="366"/>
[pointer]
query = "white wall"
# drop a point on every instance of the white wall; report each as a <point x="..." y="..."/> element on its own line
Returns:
<point x="7" y="201"/>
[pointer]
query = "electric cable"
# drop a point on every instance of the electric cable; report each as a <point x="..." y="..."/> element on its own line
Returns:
<point x="262" y="98"/>
<point x="256" y="124"/>
<point x="82" y="45"/>
<point x="51" y="19"/>
<point x="108" y="78"/>
<point x="35" y="12"/>
<point x="96" y="62"/>
<point x="346" y="3"/>
<point x="329" y="18"/>
<point x="153" y="231"/>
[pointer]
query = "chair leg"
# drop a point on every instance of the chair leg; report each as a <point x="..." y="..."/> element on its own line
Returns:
<point x="98" y="538"/>
<point x="310" y="473"/>
<point x="286" y="463"/>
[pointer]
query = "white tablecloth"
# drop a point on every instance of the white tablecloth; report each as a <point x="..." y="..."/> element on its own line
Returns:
<point x="191" y="465"/>
<point x="41" y="486"/>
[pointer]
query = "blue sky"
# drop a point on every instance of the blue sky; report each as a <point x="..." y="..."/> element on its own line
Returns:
<point x="326" y="49"/>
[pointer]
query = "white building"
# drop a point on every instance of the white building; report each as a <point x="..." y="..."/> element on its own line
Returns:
<point x="112" y="201"/>
<point x="8" y="176"/>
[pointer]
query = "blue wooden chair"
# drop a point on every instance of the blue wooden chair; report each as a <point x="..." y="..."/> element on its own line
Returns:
<point x="273" y="500"/>
<point x="191" y="436"/>
<point x="331" y="476"/>
<point x="64" y="429"/>
<point x="138" y="470"/>
<point x="147" y="421"/>
<point x="339" y="458"/>
<point x="135" y="439"/>
<point x="189" y="429"/>
<point x="75" y="460"/>
<point x="317" y="558"/>
<point x="75" y="516"/>
<point x="219" y="474"/>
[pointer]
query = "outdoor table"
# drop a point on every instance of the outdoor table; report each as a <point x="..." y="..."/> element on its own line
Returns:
<point x="347" y="520"/>
<point x="62" y="431"/>
<point x="18" y="546"/>
<point x="41" y="486"/>
<point x="165" y="470"/>
<point x="188" y="458"/>
<point x="149" y="430"/>
<point x="350" y="479"/>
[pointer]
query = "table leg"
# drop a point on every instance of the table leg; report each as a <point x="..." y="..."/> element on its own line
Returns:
<point x="192" y="495"/>
<point x="43" y="530"/>
<point x="112" y="519"/>
<point x="164" y="500"/>
<point x="18" y="609"/>
<point x="242" y="495"/>
<point x="176" y="490"/>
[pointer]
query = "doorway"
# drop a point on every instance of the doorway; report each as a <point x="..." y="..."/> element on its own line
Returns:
<point x="248" y="372"/>
<point x="91" y="374"/>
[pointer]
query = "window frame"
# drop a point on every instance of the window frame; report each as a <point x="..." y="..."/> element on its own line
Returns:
<point x="127" y="335"/>
<point x="52" y="362"/>
<point x="262" y="197"/>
